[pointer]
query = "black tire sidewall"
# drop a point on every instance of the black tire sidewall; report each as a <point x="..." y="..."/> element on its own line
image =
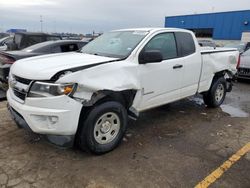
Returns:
<point x="215" y="85"/>
<point x="87" y="133"/>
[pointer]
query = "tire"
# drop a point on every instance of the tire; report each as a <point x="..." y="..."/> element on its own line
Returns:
<point x="103" y="128"/>
<point x="216" y="94"/>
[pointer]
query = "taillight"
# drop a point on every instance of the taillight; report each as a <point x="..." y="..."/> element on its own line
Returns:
<point x="6" y="59"/>
<point x="238" y="64"/>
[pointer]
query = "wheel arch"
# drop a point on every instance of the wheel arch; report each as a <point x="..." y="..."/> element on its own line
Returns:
<point x="223" y="73"/>
<point x="125" y="97"/>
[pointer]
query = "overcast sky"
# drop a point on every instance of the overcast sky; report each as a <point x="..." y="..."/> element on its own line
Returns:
<point x="84" y="16"/>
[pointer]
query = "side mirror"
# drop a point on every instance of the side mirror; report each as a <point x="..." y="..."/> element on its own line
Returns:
<point x="150" y="56"/>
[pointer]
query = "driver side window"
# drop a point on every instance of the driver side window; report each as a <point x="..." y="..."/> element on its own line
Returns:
<point x="165" y="43"/>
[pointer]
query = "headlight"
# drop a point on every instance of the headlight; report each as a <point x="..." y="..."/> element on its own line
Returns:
<point x="42" y="89"/>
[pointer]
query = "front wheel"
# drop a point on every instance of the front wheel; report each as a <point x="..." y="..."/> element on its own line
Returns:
<point x="103" y="128"/>
<point x="216" y="94"/>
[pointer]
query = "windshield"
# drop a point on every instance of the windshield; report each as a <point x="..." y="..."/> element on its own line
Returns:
<point x="117" y="44"/>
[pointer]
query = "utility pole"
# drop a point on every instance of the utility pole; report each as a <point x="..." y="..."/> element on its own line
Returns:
<point x="41" y="21"/>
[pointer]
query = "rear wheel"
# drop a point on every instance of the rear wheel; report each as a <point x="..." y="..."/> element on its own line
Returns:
<point x="216" y="94"/>
<point x="103" y="128"/>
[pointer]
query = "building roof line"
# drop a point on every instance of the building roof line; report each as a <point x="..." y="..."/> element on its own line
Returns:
<point x="209" y="13"/>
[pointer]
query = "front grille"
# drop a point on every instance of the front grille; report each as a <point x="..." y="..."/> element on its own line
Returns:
<point x="244" y="71"/>
<point x="19" y="94"/>
<point x="19" y="86"/>
<point x="22" y="80"/>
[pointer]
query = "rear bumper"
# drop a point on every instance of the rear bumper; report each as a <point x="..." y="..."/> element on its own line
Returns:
<point x="243" y="77"/>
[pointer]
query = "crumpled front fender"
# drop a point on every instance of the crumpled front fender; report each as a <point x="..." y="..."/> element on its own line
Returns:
<point x="116" y="76"/>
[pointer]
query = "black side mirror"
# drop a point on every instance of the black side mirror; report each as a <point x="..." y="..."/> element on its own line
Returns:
<point x="150" y="56"/>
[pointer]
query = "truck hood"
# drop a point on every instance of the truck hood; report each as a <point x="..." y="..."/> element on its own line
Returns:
<point x="46" y="66"/>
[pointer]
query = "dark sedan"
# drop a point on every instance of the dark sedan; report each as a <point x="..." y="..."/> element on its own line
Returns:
<point x="49" y="47"/>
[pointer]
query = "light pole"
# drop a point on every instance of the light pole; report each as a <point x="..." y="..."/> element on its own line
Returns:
<point x="54" y="26"/>
<point x="41" y="21"/>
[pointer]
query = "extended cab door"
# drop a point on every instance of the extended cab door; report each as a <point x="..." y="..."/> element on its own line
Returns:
<point x="161" y="81"/>
<point x="191" y="61"/>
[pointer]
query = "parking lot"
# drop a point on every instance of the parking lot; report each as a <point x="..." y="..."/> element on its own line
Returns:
<point x="176" y="145"/>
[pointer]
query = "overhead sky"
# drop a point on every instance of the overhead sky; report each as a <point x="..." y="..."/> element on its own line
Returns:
<point x="86" y="16"/>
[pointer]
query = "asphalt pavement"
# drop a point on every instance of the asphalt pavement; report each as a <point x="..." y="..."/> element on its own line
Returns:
<point x="177" y="145"/>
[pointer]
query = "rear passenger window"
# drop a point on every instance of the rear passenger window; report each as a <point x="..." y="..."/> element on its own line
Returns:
<point x="165" y="43"/>
<point x="185" y="44"/>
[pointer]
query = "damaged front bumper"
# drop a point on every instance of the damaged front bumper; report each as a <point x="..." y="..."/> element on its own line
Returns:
<point x="55" y="119"/>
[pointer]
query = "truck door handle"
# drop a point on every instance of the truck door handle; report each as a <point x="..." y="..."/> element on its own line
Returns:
<point x="177" y="66"/>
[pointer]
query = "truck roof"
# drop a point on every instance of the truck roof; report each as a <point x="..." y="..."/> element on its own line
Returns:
<point x="35" y="33"/>
<point x="151" y="29"/>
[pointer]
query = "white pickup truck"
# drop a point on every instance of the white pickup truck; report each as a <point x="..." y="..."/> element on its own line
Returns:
<point x="86" y="97"/>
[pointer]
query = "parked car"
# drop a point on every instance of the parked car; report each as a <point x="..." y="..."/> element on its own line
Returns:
<point x="244" y="66"/>
<point x="85" y="39"/>
<point x="25" y="39"/>
<point x="8" y="58"/>
<point x="3" y="35"/>
<point x="241" y="47"/>
<point x="208" y="43"/>
<point x="87" y="97"/>
<point x="4" y="41"/>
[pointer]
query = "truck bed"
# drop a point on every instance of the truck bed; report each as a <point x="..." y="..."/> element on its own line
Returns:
<point x="214" y="61"/>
